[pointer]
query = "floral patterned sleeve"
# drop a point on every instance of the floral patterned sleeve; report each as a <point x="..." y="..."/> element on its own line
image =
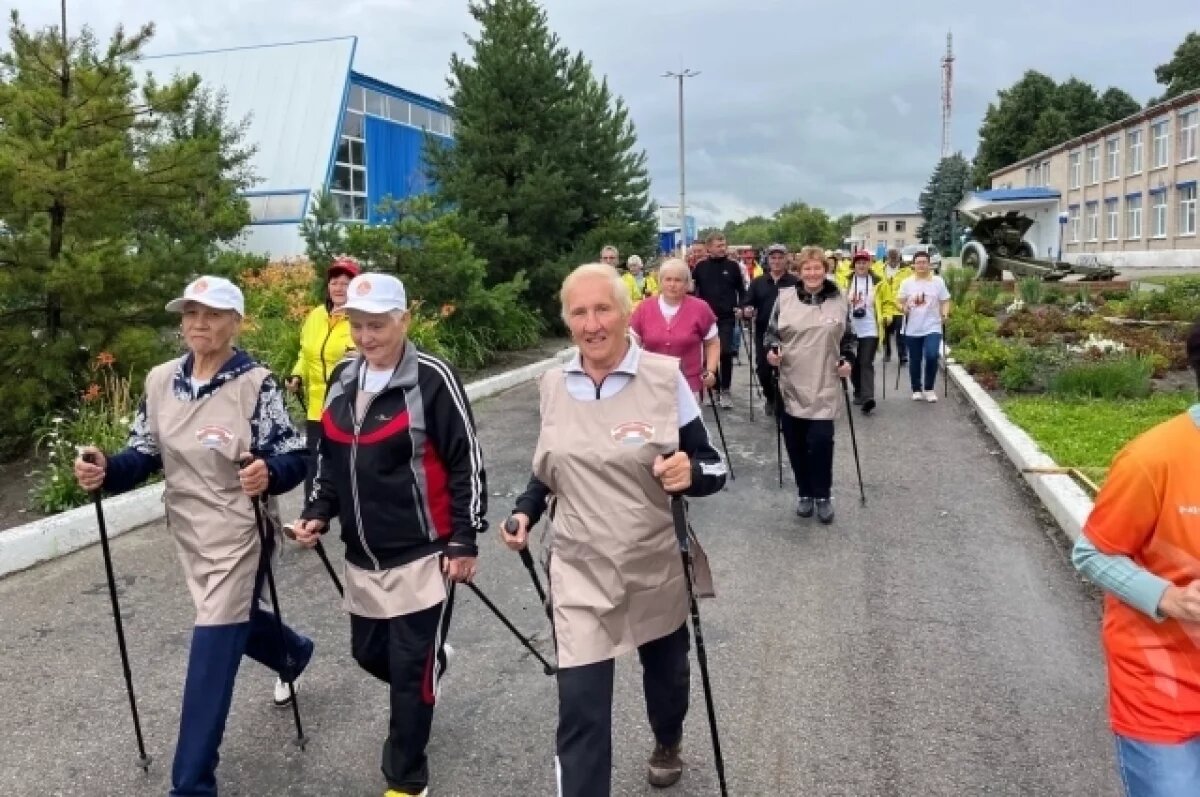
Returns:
<point x="141" y="439"/>
<point x="276" y="439"/>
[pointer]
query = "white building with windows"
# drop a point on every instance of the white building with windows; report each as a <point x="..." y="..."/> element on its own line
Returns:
<point x="317" y="125"/>
<point x="892" y="226"/>
<point x="1129" y="189"/>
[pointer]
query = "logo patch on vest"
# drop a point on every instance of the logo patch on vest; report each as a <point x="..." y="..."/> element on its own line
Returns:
<point x="632" y="433"/>
<point x="214" y="437"/>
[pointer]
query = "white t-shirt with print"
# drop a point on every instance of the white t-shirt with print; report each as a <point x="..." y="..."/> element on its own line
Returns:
<point x="923" y="299"/>
<point x="861" y="294"/>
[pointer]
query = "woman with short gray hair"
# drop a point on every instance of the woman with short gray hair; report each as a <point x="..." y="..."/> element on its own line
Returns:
<point x="680" y="326"/>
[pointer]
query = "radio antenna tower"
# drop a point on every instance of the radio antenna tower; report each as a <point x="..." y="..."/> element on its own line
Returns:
<point x="947" y="93"/>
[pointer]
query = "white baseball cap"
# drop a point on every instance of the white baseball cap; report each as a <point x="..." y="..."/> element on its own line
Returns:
<point x="375" y="293"/>
<point x="215" y="292"/>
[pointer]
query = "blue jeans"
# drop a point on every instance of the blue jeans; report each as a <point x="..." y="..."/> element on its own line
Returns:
<point x="927" y="347"/>
<point x="1149" y="769"/>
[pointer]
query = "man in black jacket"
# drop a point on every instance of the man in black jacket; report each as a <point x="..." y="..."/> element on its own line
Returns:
<point x="758" y="304"/>
<point x="718" y="281"/>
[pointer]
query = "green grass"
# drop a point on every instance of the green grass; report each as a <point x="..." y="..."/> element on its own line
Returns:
<point x="1168" y="278"/>
<point x="1087" y="433"/>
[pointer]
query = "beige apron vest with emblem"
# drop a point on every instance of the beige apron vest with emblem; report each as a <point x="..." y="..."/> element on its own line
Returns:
<point x="615" y="571"/>
<point x="810" y="338"/>
<point x="209" y="516"/>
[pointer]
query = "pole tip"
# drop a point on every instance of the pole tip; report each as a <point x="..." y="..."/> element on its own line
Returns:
<point x="144" y="762"/>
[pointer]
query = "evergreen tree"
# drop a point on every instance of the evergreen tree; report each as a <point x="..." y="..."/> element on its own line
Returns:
<point x="543" y="169"/>
<point x="949" y="183"/>
<point x="103" y="205"/>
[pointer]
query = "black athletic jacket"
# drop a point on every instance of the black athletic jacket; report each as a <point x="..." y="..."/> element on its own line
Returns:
<point x="764" y="290"/>
<point x="719" y="282"/>
<point x="409" y="480"/>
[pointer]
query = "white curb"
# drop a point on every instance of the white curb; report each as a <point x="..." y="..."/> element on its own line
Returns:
<point x="1060" y="493"/>
<point x="49" y="538"/>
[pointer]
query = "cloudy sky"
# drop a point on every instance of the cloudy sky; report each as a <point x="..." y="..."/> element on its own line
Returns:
<point x="835" y="103"/>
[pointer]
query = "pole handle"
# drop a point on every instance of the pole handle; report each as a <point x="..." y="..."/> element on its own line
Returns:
<point x="511" y="526"/>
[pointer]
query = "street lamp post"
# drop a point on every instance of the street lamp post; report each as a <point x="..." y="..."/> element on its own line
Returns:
<point x="679" y="76"/>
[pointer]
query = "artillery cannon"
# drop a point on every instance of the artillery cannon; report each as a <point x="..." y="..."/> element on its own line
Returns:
<point x="997" y="243"/>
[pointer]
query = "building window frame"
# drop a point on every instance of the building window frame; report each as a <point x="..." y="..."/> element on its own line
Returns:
<point x="1133" y="217"/>
<point x="1134" y="150"/>
<point x="1075" y="167"/>
<point x="1093" y="164"/>
<point x="1092" y="222"/>
<point x="1112" y="219"/>
<point x="350" y="161"/>
<point x="881" y="225"/>
<point x="1158" y="214"/>
<point x="1112" y="158"/>
<point x="1073" y="216"/>
<point x="901" y="225"/>
<point x="1187" y="209"/>
<point x="1189" y="131"/>
<point x="1160" y="143"/>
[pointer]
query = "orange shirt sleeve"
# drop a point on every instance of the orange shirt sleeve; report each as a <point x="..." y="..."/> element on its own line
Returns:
<point x="1127" y="508"/>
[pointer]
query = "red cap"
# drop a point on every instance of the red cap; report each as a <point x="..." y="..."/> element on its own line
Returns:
<point x="342" y="265"/>
<point x="861" y="254"/>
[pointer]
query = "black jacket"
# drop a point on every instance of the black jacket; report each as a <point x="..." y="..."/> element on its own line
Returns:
<point x="719" y="282"/>
<point x="762" y="295"/>
<point x="408" y="480"/>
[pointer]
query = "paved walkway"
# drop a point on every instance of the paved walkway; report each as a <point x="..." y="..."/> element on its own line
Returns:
<point x="934" y="642"/>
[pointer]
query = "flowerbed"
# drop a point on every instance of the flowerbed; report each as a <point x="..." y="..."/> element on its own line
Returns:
<point x="1082" y="370"/>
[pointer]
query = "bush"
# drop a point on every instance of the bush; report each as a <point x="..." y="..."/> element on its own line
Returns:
<point x="958" y="283"/>
<point x="984" y="355"/>
<point x="1031" y="290"/>
<point x="989" y="290"/>
<point x="100" y="416"/>
<point x="278" y="297"/>
<point x="1119" y="377"/>
<point x="964" y="324"/>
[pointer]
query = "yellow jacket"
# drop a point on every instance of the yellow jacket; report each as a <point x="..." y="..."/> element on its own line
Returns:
<point x="885" y="299"/>
<point x="902" y="273"/>
<point x="324" y="340"/>
<point x="649" y="287"/>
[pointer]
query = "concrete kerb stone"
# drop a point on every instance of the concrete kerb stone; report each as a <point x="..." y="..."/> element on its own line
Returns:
<point x="49" y="538"/>
<point x="1062" y="496"/>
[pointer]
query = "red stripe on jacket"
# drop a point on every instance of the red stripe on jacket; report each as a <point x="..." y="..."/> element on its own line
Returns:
<point x="437" y="491"/>
<point x="395" y="426"/>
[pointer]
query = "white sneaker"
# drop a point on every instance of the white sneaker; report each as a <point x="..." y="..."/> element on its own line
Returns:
<point x="931" y="396"/>
<point x="283" y="697"/>
<point x="918" y="396"/>
<point x="725" y="401"/>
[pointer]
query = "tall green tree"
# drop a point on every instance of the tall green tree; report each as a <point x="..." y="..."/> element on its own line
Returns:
<point x="1052" y="127"/>
<point x="102" y="204"/>
<point x="1117" y="104"/>
<point x="949" y="183"/>
<point x="1182" y="72"/>
<point x="544" y="168"/>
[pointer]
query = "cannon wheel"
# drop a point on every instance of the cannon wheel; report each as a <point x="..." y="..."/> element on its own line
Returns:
<point x="975" y="257"/>
<point x="1025" y="249"/>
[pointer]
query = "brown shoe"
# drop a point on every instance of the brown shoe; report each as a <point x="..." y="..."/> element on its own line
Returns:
<point x="666" y="766"/>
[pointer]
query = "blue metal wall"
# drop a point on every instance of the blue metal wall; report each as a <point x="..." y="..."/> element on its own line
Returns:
<point x="395" y="167"/>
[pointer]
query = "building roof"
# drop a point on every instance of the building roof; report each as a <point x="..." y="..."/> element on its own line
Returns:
<point x="1002" y="200"/>
<point x="1148" y="112"/>
<point x="901" y="207"/>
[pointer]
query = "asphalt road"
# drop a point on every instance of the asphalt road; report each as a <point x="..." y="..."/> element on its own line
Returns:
<point x="933" y="642"/>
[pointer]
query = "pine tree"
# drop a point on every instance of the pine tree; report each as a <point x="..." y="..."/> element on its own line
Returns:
<point x="949" y="183"/>
<point x="543" y="169"/>
<point x="106" y="209"/>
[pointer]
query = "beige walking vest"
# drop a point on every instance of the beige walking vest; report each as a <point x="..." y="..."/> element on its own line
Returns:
<point x="209" y="516"/>
<point x="616" y="578"/>
<point x="810" y="345"/>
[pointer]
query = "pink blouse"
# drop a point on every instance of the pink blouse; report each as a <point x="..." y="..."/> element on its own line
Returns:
<point x="681" y="337"/>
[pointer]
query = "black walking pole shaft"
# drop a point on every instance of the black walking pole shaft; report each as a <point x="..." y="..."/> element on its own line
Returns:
<point x="679" y="514"/>
<point x="510" y="527"/>
<point x="778" y="427"/>
<point x="862" y="494"/>
<point x="143" y="759"/>
<point x="337" y="582"/>
<point x="549" y="668"/>
<point x="721" y="431"/>
<point x="265" y="542"/>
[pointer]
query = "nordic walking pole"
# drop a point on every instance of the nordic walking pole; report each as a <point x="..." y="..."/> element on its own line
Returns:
<point x="717" y="416"/>
<point x="265" y="542"/>
<point x="945" y="366"/>
<point x="778" y="428"/>
<point x="862" y="493"/>
<point x="143" y="759"/>
<point x="679" y="515"/>
<point x="320" y="549"/>
<point x="510" y="528"/>
<point x="547" y="667"/>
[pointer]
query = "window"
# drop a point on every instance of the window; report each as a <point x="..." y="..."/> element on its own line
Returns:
<point x="1134" y="151"/>
<point x="1187" y="209"/>
<point x="420" y="117"/>
<point x="1045" y="173"/>
<point x="1159" y="211"/>
<point x="1093" y="221"/>
<point x="1093" y="161"/>
<point x="901" y="225"/>
<point x="1159" y="132"/>
<point x="356" y="98"/>
<point x="1133" y="216"/>
<point x="900" y="243"/>
<point x="398" y="110"/>
<point x="1189" y="121"/>
<point x="1112" y="212"/>
<point x="1074" y="215"/>
<point x="1112" y="156"/>
<point x="881" y="226"/>
<point x="268" y="208"/>
<point x="1076" y="168"/>
<point x="376" y="104"/>
<point x="1029" y="178"/>
<point x="348" y="184"/>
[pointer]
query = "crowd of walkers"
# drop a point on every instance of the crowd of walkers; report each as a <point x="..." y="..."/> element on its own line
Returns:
<point x="393" y="457"/>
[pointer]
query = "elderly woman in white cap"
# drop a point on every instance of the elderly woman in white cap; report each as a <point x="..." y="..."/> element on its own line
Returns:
<point x="214" y="422"/>
<point x="400" y="467"/>
<point x="621" y="432"/>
